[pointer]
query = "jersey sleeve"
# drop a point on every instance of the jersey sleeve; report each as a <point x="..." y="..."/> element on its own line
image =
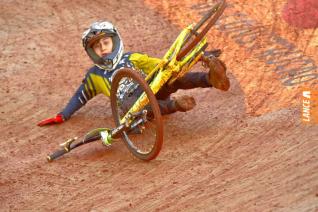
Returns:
<point x="144" y="62"/>
<point x="95" y="82"/>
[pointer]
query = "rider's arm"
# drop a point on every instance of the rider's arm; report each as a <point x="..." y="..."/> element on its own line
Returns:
<point x="75" y="103"/>
<point x="144" y="62"/>
<point x="95" y="82"/>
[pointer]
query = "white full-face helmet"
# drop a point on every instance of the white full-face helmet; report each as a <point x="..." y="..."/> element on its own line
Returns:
<point x="96" y="31"/>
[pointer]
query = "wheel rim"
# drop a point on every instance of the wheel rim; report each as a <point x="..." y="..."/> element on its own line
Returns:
<point x="145" y="140"/>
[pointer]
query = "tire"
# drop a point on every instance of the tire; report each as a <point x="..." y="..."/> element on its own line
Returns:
<point x="134" y="141"/>
<point x="209" y="19"/>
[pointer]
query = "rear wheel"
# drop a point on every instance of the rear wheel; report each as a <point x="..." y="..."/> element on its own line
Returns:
<point x="204" y="25"/>
<point x="144" y="136"/>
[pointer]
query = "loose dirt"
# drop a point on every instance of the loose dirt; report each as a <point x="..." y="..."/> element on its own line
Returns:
<point x="242" y="150"/>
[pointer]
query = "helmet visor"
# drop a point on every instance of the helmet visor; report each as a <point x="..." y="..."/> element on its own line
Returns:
<point x="96" y="38"/>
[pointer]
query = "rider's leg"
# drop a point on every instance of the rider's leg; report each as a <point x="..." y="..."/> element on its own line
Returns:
<point x="168" y="106"/>
<point x="189" y="81"/>
<point x="181" y="103"/>
<point x="215" y="78"/>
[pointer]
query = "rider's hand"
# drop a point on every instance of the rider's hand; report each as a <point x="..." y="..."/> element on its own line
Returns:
<point x="56" y="120"/>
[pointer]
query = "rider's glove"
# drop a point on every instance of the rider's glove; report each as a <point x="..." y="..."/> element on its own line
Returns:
<point x="56" y="120"/>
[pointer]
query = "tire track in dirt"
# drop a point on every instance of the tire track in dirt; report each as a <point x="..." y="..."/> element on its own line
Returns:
<point x="177" y="171"/>
<point x="238" y="185"/>
<point x="215" y="157"/>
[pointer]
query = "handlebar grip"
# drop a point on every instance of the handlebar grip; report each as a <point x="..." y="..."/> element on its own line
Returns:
<point x="56" y="154"/>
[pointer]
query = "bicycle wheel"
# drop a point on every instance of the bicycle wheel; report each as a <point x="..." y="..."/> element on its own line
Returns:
<point x="144" y="138"/>
<point x="212" y="15"/>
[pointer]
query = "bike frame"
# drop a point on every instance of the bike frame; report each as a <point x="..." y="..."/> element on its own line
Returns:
<point x="169" y="69"/>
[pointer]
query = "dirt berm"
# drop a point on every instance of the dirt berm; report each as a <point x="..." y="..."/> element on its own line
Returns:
<point x="242" y="150"/>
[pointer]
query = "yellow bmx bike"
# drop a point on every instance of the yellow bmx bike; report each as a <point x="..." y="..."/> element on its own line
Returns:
<point x="134" y="106"/>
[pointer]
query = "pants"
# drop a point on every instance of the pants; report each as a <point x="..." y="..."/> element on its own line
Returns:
<point x="166" y="105"/>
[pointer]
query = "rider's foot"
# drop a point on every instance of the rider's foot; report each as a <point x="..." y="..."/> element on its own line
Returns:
<point x="184" y="103"/>
<point x="217" y="73"/>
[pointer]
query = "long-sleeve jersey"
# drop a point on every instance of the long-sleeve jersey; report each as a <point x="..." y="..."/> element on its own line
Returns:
<point x="98" y="80"/>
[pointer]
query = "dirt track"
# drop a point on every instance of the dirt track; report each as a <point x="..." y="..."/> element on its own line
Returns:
<point x="241" y="150"/>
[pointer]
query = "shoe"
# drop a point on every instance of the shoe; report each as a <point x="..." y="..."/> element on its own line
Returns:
<point x="217" y="73"/>
<point x="184" y="103"/>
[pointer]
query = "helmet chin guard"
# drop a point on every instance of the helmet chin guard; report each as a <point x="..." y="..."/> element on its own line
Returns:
<point x="96" y="31"/>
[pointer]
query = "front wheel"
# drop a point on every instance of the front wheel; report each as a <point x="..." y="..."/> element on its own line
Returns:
<point x="144" y="136"/>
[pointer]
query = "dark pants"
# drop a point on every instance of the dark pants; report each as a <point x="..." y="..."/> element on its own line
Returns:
<point x="188" y="81"/>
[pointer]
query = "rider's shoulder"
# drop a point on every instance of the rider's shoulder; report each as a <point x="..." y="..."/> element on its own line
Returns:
<point x="137" y="56"/>
<point x="128" y="57"/>
<point x="133" y="55"/>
